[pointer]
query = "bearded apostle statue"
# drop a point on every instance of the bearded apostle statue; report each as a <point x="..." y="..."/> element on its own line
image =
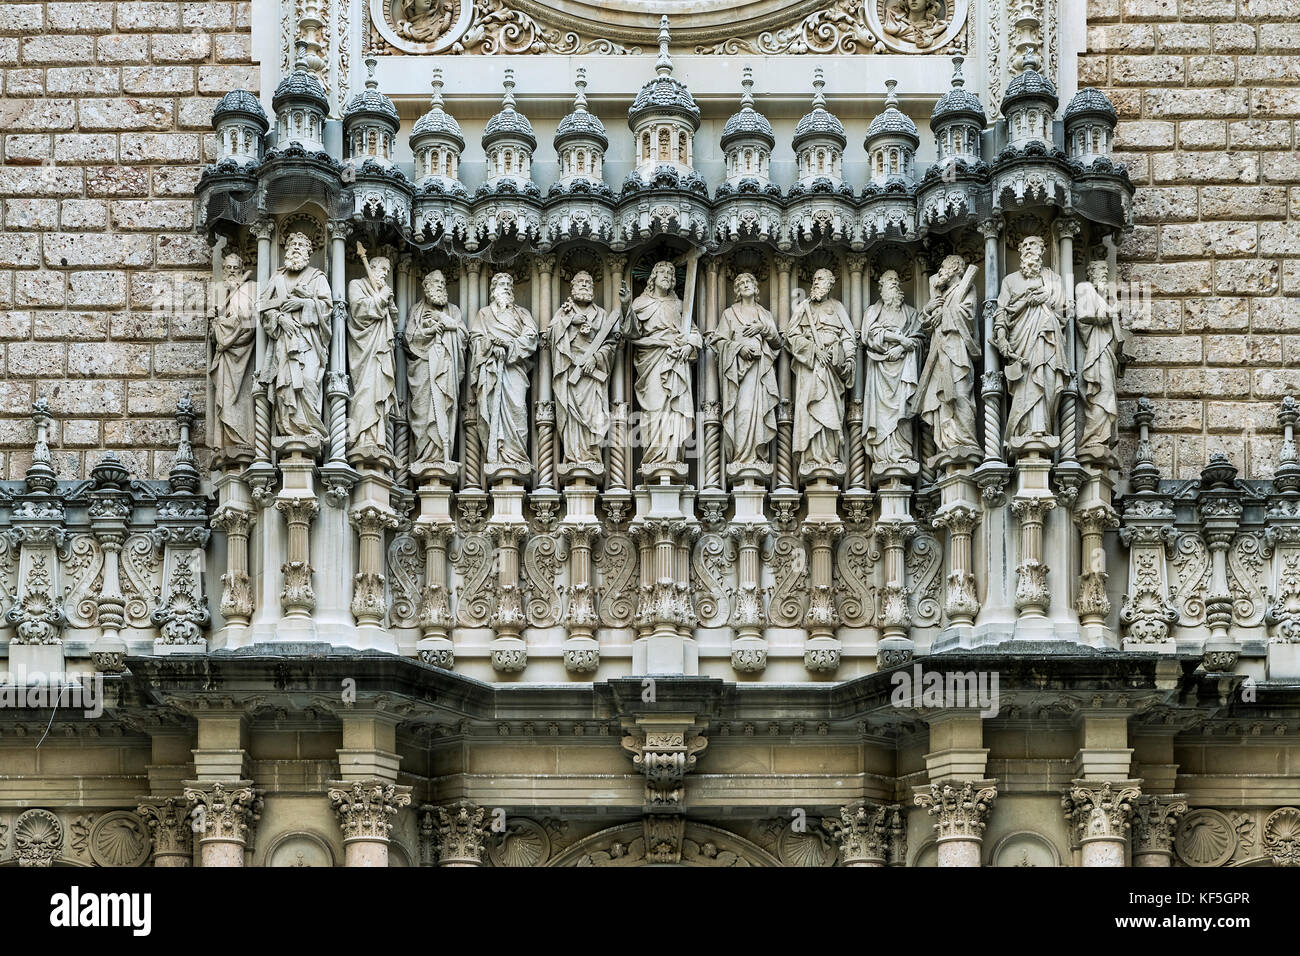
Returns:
<point x="946" y="390"/>
<point x="666" y="344"/>
<point x="584" y="339"/>
<point x="435" y="347"/>
<point x="823" y="345"/>
<point x="1028" y="331"/>
<point x="371" y="314"/>
<point x="503" y="338"/>
<point x="747" y="340"/>
<point x="295" y="313"/>
<point x="1103" y="342"/>
<point x="232" y="331"/>
<point x="892" y="335"/>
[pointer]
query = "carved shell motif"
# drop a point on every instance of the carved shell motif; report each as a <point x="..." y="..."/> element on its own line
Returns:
<point x="119" y="839"/>
<point x="38" y="838"/>
<point x="524" y="843"/>
<point x="1205" y="838"/>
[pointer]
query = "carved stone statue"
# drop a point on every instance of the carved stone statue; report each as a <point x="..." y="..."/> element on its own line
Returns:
<point x="918" y="22"/>
<point x="295" y="312"/>
<point x="746" y="340"/>
<point x="1027" y="330"/>
<point x="824" y="347"/>
<point x="584" y="339"/>
<point x="233" y="331"/>
<point x="945" y="394"/>
<point x="435" y="344"/>
<point x="371" y="312"/>
<point x="503" y="338"/>
<point x="424" y="19"/>
<point x="892" y="334"/>
<point x="1103" y="353"/>
<point x="666" y="344"/>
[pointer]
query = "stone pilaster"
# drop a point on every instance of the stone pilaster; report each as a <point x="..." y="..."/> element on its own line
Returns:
<point x="1100" y="816"/>
<point x="961" y="815"/>
<point x="224" y="815"/>
<point x="365" y="809"/>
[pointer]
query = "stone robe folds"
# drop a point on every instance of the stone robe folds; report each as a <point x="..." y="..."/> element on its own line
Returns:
<point x="371" y="311"/>
<point x="890" y="383"/>
<point x="435" y="343"/>
<point x="663" y="383"/>
<point x="945" y="394"/>
<point x="295" y="312"/>
<point x="748" y="383"/>
<point x="1037" y="368"/>
<point x="1103" y="340"/>
<point x="578" y="336"/>
<point x="820" y="339"/>
<point x="233" y="335"/>
<point x="502" y="343"/>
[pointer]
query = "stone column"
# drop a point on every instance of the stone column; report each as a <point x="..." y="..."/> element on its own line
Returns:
<point x="711" y="407"/>
<point x="168" y="820"/>
<point x="1155" y="820"/>
<point x="365" y="809"/>
<point x="993" y="472"/>
<point x="869" y="834"/>
<point x="261" y="473"/>
<point x="459" y="833"/>
<point x="857" y="482"/>
<point x="1220" y="509"/>
<point x="1100" y="815"/>
<point x="960" y="813"/>
<point x="545" y="405"/>
<point x="616" y="481"/>
<point x="784" y="457"/>
<point x="1069" y="474"/>
<point x="223" y="816"/>
<point x="470" y="450"/>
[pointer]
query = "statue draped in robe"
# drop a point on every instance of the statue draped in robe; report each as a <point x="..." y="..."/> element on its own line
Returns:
<point x="503" y="338"/>
<point x="746" y="341"/>
<point x="584" y="339"/>
<point x="371" y="312"/>
<point x="233" y="332"/>
<point x="1028" y="333"/>
<point x="823" y="344"/>
<point x="946" y="390"/>
<point x="1103" y="341"/>
<point x="665" y="352"/>
<point x="295" y="311"/>
<point x="892" y="334"/>
<point x="435" y="345"/>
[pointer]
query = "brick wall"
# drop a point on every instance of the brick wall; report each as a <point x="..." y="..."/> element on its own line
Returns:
<point x="105" y="112"/>
<point x="1208" y="93"/>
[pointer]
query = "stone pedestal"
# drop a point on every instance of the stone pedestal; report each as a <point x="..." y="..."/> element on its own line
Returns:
<point x="664" y="644"/>
<point x="894" y="529"/>
<point x="1031" y="505"/>
<point x="372" y="517"/>
<point x="434" y="527"/>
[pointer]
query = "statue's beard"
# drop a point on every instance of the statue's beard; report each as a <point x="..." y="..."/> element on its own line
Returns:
<point x="296" y="261"/>
<point x="893" y="299"/>
<point x="436" y="298"/>
<point x="582" y="297"/>
<point x="503" y="301"/>
<point x="1032" y="268"/>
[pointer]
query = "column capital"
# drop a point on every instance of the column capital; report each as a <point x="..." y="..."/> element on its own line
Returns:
<point x="960" y="812"/>
<point x="458" y="832"/>
<point x="168" y="820"/>
<point x="869" y="834"/>
<point x="223" y="812"/>
<point x="365" y="807"/>
<point x="1155" y="819"/>
<point x="1100" y="811"/>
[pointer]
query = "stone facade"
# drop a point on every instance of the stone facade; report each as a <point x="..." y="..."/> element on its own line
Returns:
<point x="484" y="480"/>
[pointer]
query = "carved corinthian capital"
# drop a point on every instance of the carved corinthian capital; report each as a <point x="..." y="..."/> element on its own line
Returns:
<point x="365" y="808"/>
<point x="458" y="833"/>
<point x="168" y="820"/>
<point x="224" y="811"/>
<point x="1099" y="812"/>
<point x="1155" y="819"/>
<point x="869" y="834"/>
<point x="960" y="813"/>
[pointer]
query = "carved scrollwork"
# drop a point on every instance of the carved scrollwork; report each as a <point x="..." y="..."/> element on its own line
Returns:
<point x="405" y="577"/>
<point x="541" y="567"/>
<point x="475" y="562"/>
<point x="713" y="564"/>
<point x="788" y="559"/>
<point x="924" y="563"/>
<point x="616" y="568"/>
<point x="855" y="562"/>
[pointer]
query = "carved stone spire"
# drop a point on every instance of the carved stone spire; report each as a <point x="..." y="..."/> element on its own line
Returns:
<point x="40" y="473"/>
<point x="184" y="474"/>
<point x="664" y="65"/>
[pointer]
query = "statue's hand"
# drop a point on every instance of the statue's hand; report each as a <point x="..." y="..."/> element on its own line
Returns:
<point x="589" y="366"/>
<point x="624" y="295"/>
<point x="895" y="353"/>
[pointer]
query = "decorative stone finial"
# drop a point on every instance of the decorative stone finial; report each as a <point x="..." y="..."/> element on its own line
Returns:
<point x="184" y="474"/>
<point x="40" y="474"/>
<point x="891" y="93"/>
<point x="580" y="97"/>
<point x="1287" y="477"/>
<point x="109" y="474"/>
<point x="1145" y="475"/>
<point x="664" y="65"/>
<point x="747" y="83"/>
<point x="957" y="78"/>
<point x="436" y="99"/>
<point x="371" y="82"/>
<point x="819" y="83"/>
<point x="508" y="98"/>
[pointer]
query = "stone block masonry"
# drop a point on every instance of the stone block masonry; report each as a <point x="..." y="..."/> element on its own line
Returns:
<point x="1208" y="95"/>
<point x="105" y="125"/>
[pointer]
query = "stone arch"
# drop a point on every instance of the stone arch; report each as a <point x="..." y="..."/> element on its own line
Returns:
<point x="702" y="845"/>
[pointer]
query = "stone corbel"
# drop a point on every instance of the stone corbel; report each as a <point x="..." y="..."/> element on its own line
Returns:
<point x="665" y="750"/>
<point x="509" y="652"/>
<point x="581" y="651"/>
<point x="435" y="615"/>
<point x="369" y="603"/>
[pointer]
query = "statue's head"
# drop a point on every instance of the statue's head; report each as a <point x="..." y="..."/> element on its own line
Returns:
<point x="1031" y="255"/>
<point x="891" y="289"/>
<point x="382" y="268"/>
<point x="503" y="290"/>
<point x="951" y="267"/>
<point x="232" y="268"/>
<point x="663" y="277"/>
<point x="583" y="288"/>
<point x="297" y="252"/>
<point x="745" y="285"/>
<point x="822" y="283"/>
<point x="435" y="288"/>
<point x="1099" y="275"/>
